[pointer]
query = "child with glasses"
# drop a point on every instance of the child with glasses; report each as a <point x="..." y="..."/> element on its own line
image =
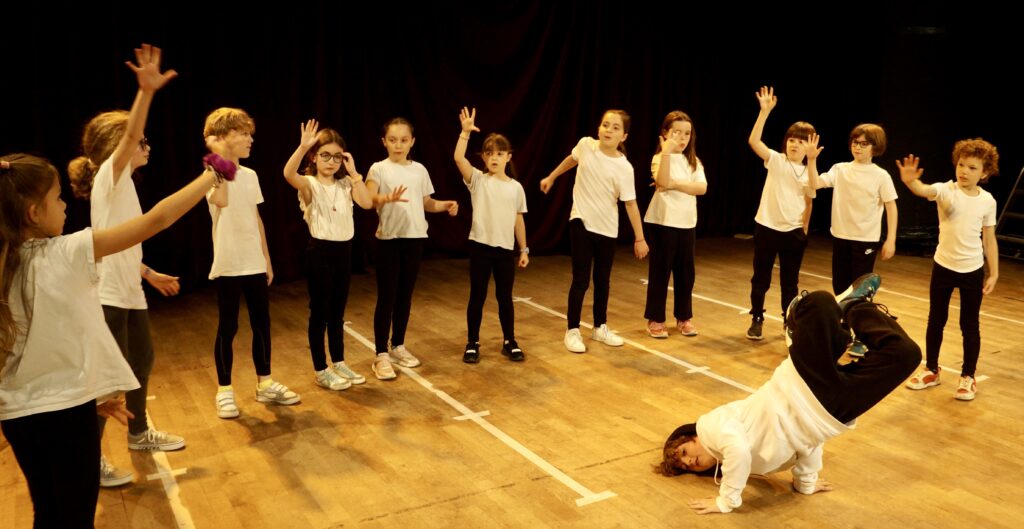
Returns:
<point x="241" y="263"/>
<point x="327" y="188"/>
<point x="862" y="191"/>
<point x="784" y="213"/>
<point x="114" y="146"/>
<point x="967" y="239"/>
<point x="499" y="203"/>
<point x="401" y="232"/>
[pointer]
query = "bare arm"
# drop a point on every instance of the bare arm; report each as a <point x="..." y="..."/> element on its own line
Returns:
<point x="520" y="229"/>
<point x="567" y="163"/>
<point x="640" y="248"/>
<point x="467" y="118"/>
<point x="991" y="248"/>
<point x="150" y="80"/>
<point x="892" y="219"/>
<point x="808" y="205"/>
<point x="766" y="100"/>
<point x="813" y="183"/>
<point x="910" y="173"/>
<point x="166" y="212"/>
<point x="378" y="200"/>
<point x="307" y="139"/>
<point x="266" y="251"/>
<point x="437" y="206"/>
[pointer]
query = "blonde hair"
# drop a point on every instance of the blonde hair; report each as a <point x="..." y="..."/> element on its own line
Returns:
<point x="99" y="140"/>
<point x="224" y="120"/>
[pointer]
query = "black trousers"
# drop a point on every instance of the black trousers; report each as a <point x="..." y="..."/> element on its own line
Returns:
<point x="397" y="268"/>
<point x="130" y="328"/>
<point x="589" y="250"/>
<point x="850" y="260"/>
<point x="671" y="253"/>
<point x="483" y="261"/>
<point x="59" y="453"/>
<point x="819" y="340"/>
<point x="970" y="284"/>
<point x="229" y="290"/>
<point x="789" y="246"/>
<point x="328" y="275"/>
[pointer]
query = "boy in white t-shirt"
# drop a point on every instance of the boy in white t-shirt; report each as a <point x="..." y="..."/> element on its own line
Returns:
<point x="967" y="239"/>
<point x="861" y="191"/>
<point x="241" y="262"/>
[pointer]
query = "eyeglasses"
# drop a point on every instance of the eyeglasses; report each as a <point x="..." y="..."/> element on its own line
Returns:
<point x="326" y="157"/>
<point x="144" y="143"/>
<point x="861" y="144"/>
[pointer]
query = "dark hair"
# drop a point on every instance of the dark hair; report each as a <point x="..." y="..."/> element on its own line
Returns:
<point x="980" y="149"/>
<point x="99" y="140"/>
<point x="669" y="465"/>
<point x="498" y="142"/>
<point x="24" y="181"/>
<point x="397" y="121"/>
<point x="874" y="134"/>
<point x="800" y="130"/>
<point x="625" y="125"/>
<point x="325" y="137"/>
<point x="690" y="152"/>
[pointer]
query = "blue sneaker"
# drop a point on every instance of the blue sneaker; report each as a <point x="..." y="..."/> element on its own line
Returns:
<point x="857" y="349"/>
<point x="863" y="288"/>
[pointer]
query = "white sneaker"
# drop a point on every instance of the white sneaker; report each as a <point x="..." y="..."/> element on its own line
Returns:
<point x="605" y="335"/>
<point x="277" y="393"/>
<point x="330" y="379"/>
<point x="345" y="371"/>
<point x="226" y="407"/>
<point x="403" y="357"/>
<point x="382" y="368"/>
<point x="111" y="476"/>
<point x="574" y="342"/>
<point x="155" y="440"/>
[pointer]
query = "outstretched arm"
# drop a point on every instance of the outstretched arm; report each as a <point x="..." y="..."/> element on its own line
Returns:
<point x="307" y="139"/>
<point x="568" y="163"/>
<point x="437" y="206"/>
<point x="766" y="100"/>
<point x="910" y="173"/>
<point x="467" y="118"/>
<point x="147" y="72"/>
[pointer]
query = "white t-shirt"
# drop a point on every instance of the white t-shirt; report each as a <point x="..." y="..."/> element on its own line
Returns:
<point x="672" y="207"/>
<point x="601" y="181"/>
<point x="64" y="356"/>
<point x="401" y="220"/>
<point x="858" y="199"/>
<point x="961" y="218"/>
<point x="237" y="246"/>
<point x="329" y="212"/>
<point x="111" y="205"/>
<point x="783" y="200"/>
<point x="496" y="205"/>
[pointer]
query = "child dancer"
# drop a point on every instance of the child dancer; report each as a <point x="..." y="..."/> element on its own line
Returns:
<point x="784" y="213"/>
<point x="967" y="239"/>
<point x="401" y="232"/>
<point x="326" y="193"/>
<point x="498" y="206"/>
<point x="671" y="221"/>
<point x="604" y="177"/>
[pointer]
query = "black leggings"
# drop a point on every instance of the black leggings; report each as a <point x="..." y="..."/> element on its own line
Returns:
<point x="328" y="274"/>
<point x="229" y="290"/>
<point x="819" y="340"/>
<point x="789" y="246"/>
<point x="850" y="260"/>
<point x="483" y="260"/>
<point x="398" y="264"/>
<point x="59" y="453"/>
<point x="130" y="328"/>
<point x="970" y="284"/>
<point x="671" y="254"/>
<point x="589" y="249"/>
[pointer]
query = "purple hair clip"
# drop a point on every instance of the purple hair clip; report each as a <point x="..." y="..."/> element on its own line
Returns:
<point x="224" y="169"/>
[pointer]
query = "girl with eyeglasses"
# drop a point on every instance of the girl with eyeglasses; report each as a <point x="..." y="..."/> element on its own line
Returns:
<point x="114" y="146"/>
<point x="327" y="188"/>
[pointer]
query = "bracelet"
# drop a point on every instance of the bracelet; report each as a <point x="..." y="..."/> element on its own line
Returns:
<point x="466" y="137"/>
<point x="525" y="249"/>
<point x="145" y="273"/>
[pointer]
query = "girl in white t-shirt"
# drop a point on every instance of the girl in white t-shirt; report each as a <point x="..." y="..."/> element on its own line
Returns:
<point x="401" y="232"/>
<point x="59" y="364"/>
<point x="671" y="224"/>
<point x="967" y="239"/>
<point x="783" y="215"/>
<point x="498" y="206"/>
<point x="604" y="178"/>
<point x="115" y="145"/>
<point x="327" y="188"/>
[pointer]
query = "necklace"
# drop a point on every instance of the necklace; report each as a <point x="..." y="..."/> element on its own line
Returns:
<point x="334" y="194"/>
<point x="800" y="174"/>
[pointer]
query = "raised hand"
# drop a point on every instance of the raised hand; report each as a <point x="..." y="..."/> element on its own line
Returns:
<point x="670" y="143"/>
<point x="308" y="130"/>
<point x="766" y="98"/>
<point x="909" y="170"/>
<point x="148" y="69"/>
<point x="812" y="147"/>
<point x="467" y="118"/>
<point x="350" y="165"/>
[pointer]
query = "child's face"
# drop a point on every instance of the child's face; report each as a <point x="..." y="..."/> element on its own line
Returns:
<point x="329" y="159"/>
<point x="238" y="144"/>
<point x="141" y="156"/>
<point x="680" y="132"/>
<point x="496" y="161"/>
<point x="48" y="215"/>
<point x="969" y="170"/>
<point x="861" y="149"/>
<point x="398" y="141"/>
<point x="796" y="148"/>
<point x="693" y="456"/>
<point x="611" y="132"/>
